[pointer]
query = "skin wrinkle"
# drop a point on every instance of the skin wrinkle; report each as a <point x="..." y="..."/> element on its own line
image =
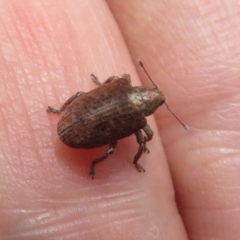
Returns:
<point x="52" y="223"/>
<point x="22" y="103"/>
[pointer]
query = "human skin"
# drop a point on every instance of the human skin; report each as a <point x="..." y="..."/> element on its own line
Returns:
<point x="190" y="189"/>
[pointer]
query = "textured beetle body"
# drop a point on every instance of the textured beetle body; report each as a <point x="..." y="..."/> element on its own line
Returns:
<point x="112" y="111"/>
<point x="104" y="115"/>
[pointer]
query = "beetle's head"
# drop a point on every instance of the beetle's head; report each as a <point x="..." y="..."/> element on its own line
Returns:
<point x="153" y="98"/>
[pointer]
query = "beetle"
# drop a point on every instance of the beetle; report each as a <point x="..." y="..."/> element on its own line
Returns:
<point x="112" y="111"/>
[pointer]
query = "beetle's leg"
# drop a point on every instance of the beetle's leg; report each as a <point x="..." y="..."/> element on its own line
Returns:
<point x="140" y="140"/>
<point x="53" y="110"/>
<point x="99" y="83"/>
<point x="114" y="78"/>
<point x="111" y="79"/>
<point x="109" y="152"/>
<point x="149" y="134"/>
<point x="96" y="80"/>
<point x="127" y="77"/>
<point x="142" y="145"/>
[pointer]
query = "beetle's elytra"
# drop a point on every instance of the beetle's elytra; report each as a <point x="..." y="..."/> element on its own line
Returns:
<point x="112" y="111"/>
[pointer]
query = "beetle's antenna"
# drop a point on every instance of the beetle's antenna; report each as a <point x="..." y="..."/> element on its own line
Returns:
<point x="144" y="69"/>
<point x="169" y="109"/>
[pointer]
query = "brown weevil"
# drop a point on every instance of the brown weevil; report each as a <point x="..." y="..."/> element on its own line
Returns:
<point x="112" y="111"/>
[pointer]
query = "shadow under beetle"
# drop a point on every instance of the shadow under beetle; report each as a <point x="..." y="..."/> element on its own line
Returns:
<point x="113" y="111"/>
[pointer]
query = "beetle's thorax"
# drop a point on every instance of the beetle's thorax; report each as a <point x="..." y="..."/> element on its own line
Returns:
<point x="152" y="99"/>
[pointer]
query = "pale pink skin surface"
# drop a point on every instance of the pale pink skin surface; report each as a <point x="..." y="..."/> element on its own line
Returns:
<point x="191" y="186"/>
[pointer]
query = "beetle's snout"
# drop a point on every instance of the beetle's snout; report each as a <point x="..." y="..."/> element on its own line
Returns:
<point x="153" y="99"/>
